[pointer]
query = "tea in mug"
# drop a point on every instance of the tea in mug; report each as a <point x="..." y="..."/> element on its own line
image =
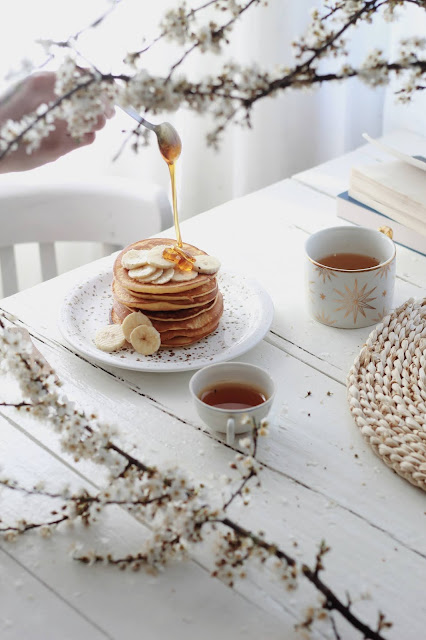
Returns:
<point x="232" y="396"/>
<point x="348" y="261"/>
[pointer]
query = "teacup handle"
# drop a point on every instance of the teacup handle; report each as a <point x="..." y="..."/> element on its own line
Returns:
<point x="230" y="431"/>
<point x="387" y="231"/>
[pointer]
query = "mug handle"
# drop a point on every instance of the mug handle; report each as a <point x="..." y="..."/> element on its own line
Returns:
<point x="387" y="231"/>
<point x="230" y="431"/>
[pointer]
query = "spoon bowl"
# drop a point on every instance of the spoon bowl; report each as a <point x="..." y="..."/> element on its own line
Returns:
<point x="168" y="139"/>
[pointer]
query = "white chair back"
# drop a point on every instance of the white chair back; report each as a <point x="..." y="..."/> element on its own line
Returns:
<point x="112" y="211"/>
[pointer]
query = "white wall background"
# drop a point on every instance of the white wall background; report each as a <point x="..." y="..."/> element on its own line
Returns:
<point x="290" y="133"/>
<point x="410" y="116"/>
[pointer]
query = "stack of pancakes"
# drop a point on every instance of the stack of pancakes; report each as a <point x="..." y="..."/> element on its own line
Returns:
<point x="182" y="312"/>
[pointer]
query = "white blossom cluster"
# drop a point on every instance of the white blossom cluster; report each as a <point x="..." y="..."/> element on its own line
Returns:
<point x="373" y="70"/>
<point x="83" y="106"/>
<point x="32" y="129"/>
<point x="412" y="80"/>
<point x="84" y="94"/>
<point x="176" y="24"/>
<point x="146" y="92"/>
<point x="182" y="26"/>
<point x="234" y="554"/>
<point x="175" y="509"/>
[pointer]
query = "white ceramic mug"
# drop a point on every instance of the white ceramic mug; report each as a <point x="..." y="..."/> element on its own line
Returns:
<point x="350" y="299"/>
<point x="231" y="421"/>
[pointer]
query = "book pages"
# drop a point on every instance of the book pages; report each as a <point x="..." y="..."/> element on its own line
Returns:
<point x="397" y="154"/>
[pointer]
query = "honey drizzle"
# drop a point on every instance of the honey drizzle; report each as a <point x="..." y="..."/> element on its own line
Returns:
<point x="172" y="167"/>
<point x="170" y="147"/>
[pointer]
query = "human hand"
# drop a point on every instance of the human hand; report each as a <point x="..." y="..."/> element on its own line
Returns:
<point x="24" y="98"/>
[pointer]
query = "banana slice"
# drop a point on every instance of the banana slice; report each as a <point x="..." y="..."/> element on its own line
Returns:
<point x="155" y="257"/>
<point x="134" y="258"/>
<point x="142" y="272"/>
<point x="132" y="321"/>
<point x="158" y="273"/>
<point x="145" y="340"/>
<point x="167" y="275"/>
<point x="110" y="338"/>
<point x="183" y="276"/>
<point x="206" y="264"/>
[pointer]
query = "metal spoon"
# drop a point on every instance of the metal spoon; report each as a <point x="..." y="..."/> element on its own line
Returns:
<point x="168" y="139"/>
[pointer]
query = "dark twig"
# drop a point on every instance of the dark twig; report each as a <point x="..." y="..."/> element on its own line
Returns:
<point x="34" y="525"/>
<point x="333" y="603"/>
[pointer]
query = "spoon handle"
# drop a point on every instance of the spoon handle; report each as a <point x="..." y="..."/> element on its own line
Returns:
<point x="135" y="115"/>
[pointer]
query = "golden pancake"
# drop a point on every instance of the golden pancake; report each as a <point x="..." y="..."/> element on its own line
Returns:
<point x="116" y="317"/>
<point x="183" y="325"/>
<point x="193" y="328"/>
<point x="120" y="273"/>
<point x="120" y="312"/>
<point x="190" y="333"/>
<point x="181" y="314"/>
<point x="177" y="340"/>
<point x="128" y="300"/>
<point x="192" y="324"/>
<point x="198" y="321"/>
<point x="181" y="341"/>
<point x="183" y="296"/>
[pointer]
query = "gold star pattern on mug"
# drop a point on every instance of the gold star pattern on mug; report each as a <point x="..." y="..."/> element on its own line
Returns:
<point x="311" y="289"/>
<point x="384" y="312"/>
<point x="384" y="270"/>
<point x="325" y="273"/>
<point x="321" y="316"/>
<point x="354" y="301"/>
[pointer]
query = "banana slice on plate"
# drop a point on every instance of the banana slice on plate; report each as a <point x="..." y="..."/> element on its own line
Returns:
<point x="134" y="258"/>
<point x="155" y="257"/>
<point x="132" y="321"/>
<point x="142" y="272"/>
<point x="145" y="340"/>
<point x="206" y="264"/>
<point x="110" y="338"/>
<point x="183" y="276"/>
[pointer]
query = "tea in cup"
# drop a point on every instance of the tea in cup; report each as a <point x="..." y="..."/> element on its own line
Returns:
<point x="225" y="394"/>
<point x="350" y="276"/>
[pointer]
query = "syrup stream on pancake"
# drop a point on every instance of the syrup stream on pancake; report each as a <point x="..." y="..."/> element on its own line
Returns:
<point x="170" y="147"/>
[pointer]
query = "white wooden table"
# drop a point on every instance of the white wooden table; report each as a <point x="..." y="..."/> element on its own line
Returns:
<point x="320" y="480"/>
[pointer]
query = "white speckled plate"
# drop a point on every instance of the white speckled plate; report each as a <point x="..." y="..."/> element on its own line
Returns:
<point x="247" y="316"/>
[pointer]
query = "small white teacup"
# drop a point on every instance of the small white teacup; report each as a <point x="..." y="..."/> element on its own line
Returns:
<point x="346" y="297"/>
<point x="231" y="375"/>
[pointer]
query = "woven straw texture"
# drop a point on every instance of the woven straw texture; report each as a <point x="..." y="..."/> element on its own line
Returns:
<point x="387" y="391"/>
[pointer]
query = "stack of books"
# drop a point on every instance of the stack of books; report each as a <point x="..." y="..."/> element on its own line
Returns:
<point x="391" y="194"/>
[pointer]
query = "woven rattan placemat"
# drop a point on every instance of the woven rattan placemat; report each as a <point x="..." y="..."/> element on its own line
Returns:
<point x="387" y="391"/>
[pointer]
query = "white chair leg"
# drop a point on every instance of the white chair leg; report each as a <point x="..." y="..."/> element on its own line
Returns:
<point x="8" y="271"/>
<point x="48" y="264"/>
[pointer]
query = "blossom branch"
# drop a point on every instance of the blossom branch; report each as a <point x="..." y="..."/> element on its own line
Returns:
<point x="166" y="495"/>
<point x="333" y="603"/>
<point x="42" y="117"/>
<point x="16" y="405"/>
<point x="233" y="92"/>
<point x="172" y="17"/>
<point x="252" y="469"/>
<point x="24" y="527"/>
<point x="92" y="25"/>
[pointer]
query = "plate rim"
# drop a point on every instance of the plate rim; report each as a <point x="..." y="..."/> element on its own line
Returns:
<point x="262" y="328"/>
